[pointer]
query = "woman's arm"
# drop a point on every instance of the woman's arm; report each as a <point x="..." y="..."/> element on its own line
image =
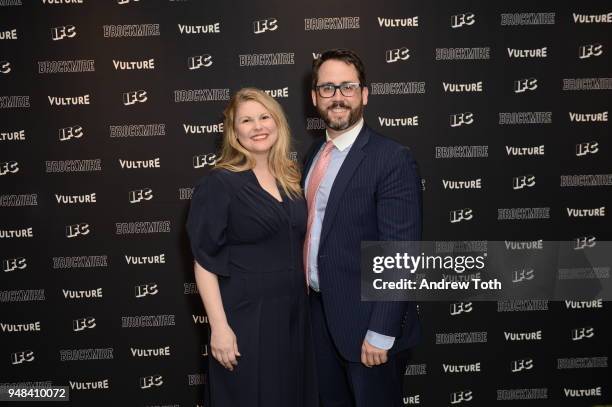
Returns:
<point x="224" y="347"/>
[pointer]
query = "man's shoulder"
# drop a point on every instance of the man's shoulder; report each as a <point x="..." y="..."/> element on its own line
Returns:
<point x="383" y="143"/>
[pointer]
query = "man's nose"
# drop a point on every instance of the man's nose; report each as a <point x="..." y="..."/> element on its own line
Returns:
<point x="338" y="95"/>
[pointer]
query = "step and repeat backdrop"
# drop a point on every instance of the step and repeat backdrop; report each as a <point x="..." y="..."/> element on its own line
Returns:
<point x="110" y="111"/>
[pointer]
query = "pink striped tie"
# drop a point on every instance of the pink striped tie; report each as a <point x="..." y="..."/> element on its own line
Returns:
<point x="316" y="176"/>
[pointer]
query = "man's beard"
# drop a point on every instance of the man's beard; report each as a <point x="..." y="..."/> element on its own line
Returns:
<point x="341" y="124"/>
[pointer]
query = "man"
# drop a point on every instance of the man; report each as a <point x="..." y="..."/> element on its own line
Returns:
<point x="359" y="186"/>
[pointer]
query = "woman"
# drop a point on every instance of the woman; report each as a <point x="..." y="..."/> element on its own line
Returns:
<point x="246" y="226"/>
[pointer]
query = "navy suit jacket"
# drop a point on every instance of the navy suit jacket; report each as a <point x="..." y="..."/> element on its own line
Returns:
<point x="375" y="196"/>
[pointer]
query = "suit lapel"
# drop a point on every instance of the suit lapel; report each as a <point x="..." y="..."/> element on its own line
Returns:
<point x="350" y="164"/>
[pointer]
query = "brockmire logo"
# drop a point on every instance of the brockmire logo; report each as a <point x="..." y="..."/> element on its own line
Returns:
<point x="74" y="165"/>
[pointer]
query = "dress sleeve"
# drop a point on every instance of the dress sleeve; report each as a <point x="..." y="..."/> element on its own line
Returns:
<point x="207" y="225"/>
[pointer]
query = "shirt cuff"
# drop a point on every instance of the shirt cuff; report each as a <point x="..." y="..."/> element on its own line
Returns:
<point x="379" y="340"/>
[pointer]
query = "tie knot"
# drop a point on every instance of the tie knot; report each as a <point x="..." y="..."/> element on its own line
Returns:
<point x="328" y="147"/>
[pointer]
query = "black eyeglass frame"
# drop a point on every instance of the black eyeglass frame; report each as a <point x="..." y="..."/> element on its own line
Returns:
<point x="336" y="88"/>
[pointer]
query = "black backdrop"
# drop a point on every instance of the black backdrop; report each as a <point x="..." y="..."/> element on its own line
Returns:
<point x="77" y="180"/>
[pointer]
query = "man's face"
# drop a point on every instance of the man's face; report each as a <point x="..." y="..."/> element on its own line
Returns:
<point x="339" y="112"/>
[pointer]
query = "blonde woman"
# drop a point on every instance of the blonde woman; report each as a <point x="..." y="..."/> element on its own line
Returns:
<point x="246" y="226"/>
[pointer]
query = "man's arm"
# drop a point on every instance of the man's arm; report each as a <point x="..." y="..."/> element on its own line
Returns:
<point x="399" y="219"/>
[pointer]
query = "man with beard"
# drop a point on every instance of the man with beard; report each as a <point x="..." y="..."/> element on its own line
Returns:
<point x="359" y="186"/>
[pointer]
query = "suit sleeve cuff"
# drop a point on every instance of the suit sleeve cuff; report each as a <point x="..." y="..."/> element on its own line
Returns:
<point x="379" y="340"/>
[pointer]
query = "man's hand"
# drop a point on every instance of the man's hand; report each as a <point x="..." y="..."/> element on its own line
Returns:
<point x="371" y="355"/>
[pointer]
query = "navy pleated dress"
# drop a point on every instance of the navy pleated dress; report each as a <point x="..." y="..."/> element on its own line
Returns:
<point x="253" y="243"/>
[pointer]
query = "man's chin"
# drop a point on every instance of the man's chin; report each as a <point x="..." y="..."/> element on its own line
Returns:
<point x="338" y="126"/>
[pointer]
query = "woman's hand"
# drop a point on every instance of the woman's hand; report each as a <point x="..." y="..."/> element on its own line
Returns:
<point x="224" y="347"/>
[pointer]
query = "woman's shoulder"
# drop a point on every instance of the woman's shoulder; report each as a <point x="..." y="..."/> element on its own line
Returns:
<point x="223" y="178"/>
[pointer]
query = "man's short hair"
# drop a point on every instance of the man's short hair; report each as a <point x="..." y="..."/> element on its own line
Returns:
<point x="341" y="54"/>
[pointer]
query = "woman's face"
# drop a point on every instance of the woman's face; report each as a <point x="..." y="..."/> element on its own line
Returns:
<point x="255" y="128"/>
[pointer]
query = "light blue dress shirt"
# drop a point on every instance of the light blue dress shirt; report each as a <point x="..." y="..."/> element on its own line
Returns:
<point x="342" y="144"/>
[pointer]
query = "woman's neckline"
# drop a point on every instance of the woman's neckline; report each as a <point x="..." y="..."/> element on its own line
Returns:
<point x="267" y="192"/>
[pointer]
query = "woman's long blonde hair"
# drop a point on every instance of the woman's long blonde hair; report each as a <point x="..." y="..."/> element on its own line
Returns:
<point x="234" y="157"/>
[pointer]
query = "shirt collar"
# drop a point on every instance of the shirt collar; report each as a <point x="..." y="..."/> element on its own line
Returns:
<point x="345" y="140"/>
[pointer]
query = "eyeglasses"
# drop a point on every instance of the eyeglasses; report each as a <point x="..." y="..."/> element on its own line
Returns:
<point x="328" y="90"/>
